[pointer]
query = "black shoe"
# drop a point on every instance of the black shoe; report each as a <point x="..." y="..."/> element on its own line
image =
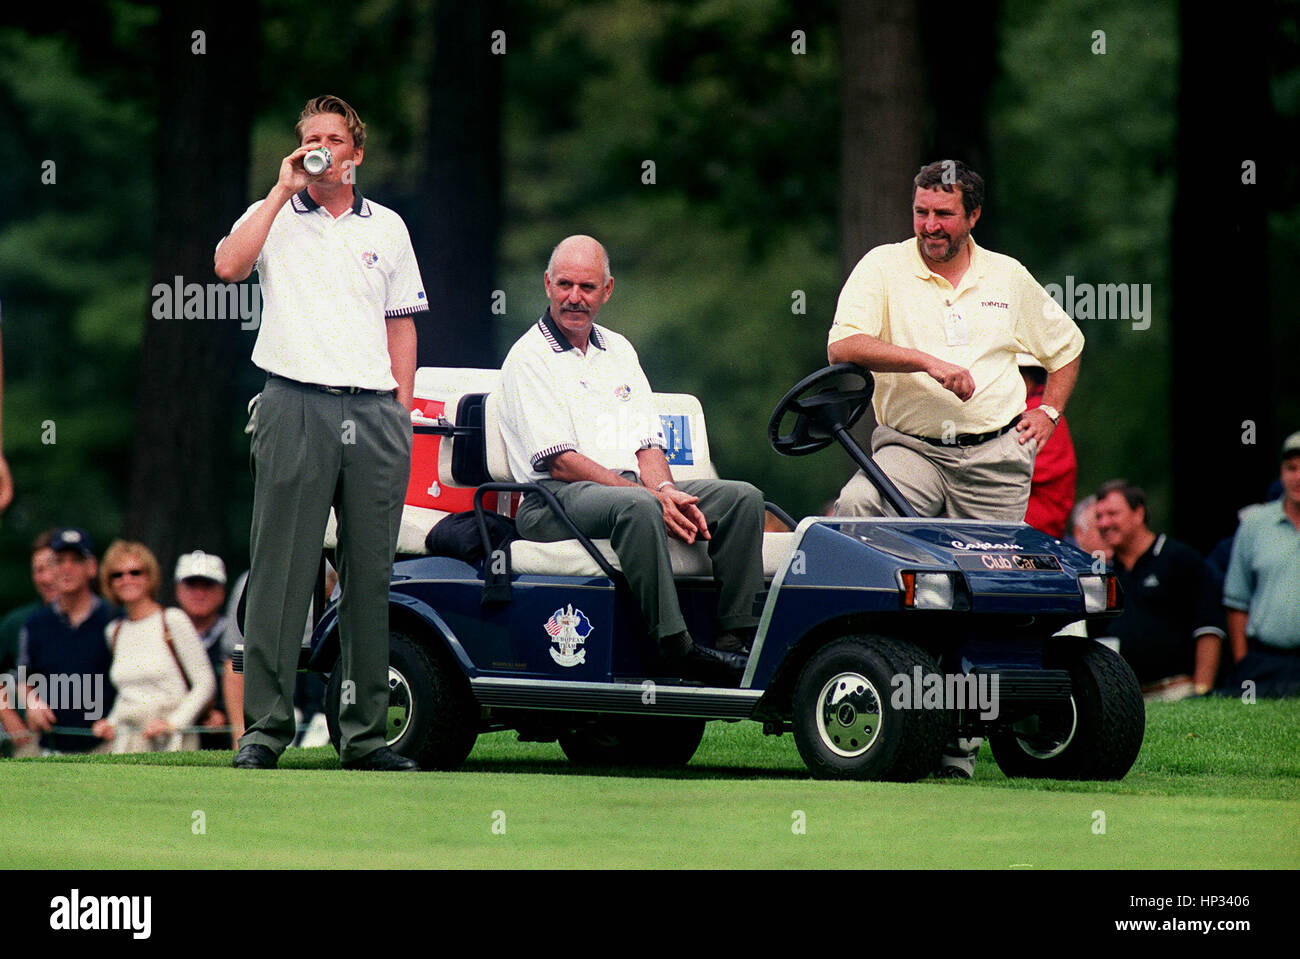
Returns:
<point x="730" y="642"/>
<point x="383" y="760"/>
<point x="256" y="756"/>
<point x="692" y="661"/>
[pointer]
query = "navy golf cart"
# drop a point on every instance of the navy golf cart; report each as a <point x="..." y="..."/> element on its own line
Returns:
<point x="879" y="640"/>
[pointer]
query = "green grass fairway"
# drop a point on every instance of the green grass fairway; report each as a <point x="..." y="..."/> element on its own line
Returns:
<point x="1217" y="786"/>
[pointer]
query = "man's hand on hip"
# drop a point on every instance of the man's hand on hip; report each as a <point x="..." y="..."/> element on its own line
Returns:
<point x="682" y="516"/>
<point x="1035" y="424"/>
<point x="956" y="379"/>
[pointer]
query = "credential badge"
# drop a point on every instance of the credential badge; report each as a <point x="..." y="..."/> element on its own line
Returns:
<point x="568" y="629"/>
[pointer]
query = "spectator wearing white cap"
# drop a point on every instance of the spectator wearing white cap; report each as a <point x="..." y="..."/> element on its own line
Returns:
<point x="1262" y="590"/>
<point x="201" y="592"/>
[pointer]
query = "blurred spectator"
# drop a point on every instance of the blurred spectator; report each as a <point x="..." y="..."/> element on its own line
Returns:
<point x="62" y="649"/>
<point x="1051" y="490"/>
<point x="43" y="580"/>
<point x="232" y="683"/>
<point x="200" y="593"/>
<point x="1083" y="528"/>
<point x="163" y="678"/>
<point x="6" y="480"/>
<point x="1262" y="589"/>
<point x="309" y="692"/>
<point x="1171" y="629"/>
<point x="11" y="626"/>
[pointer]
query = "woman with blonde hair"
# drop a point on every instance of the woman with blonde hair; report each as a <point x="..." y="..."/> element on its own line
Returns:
<point x="160" y="669"/>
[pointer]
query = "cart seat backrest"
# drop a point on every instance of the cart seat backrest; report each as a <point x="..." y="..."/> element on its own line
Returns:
<point x="470" y="398"/>
<point x="683" y="422"/>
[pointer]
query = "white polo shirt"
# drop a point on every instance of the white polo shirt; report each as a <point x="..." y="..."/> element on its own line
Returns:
<point x="557" y="398"/>
<point x="997" y="311"/>
<point x="328" y="286"/>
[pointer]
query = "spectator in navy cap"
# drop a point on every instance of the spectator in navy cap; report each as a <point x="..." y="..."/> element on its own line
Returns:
<point x="64" y="653"/>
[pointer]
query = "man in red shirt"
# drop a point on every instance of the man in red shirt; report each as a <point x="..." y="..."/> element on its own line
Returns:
<point x="1051" y="491"/>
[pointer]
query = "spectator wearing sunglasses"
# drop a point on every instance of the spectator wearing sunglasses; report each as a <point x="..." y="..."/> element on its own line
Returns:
<point x="160" y="669"/>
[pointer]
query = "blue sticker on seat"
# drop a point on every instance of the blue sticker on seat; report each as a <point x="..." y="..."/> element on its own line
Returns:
<point x="677" y="435"/>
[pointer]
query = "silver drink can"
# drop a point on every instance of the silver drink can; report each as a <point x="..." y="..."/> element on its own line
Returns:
<point x="317" y="161"/>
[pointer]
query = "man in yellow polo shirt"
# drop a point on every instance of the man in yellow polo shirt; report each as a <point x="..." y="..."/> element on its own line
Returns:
<point x="939" y="321"/>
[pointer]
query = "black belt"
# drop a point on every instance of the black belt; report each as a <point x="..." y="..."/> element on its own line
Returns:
<point x="967" y="439"/>
<point x="334" y="390"/>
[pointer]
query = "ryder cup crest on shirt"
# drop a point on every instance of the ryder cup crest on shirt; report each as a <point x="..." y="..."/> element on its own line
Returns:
<point x="568" y="629"/>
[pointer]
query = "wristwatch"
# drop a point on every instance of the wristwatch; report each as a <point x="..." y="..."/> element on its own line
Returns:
<point x="1052" y="412"/>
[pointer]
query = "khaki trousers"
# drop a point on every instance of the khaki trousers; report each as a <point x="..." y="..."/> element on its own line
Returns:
<point x="987" y="482"/>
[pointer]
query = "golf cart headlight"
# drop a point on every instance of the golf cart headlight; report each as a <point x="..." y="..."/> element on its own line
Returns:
<point x="1100" y="593"/>
<point x="928" y="590"/>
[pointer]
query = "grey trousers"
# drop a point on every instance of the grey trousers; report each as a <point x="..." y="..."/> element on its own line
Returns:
<point x="311" y="450"/>
<point x="633" y="521"/>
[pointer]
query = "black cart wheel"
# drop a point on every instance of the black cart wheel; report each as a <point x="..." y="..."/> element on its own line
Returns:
<point x="1095" y="735"/>
<point x="431" y="712"/>
<point x="634" y="741"/>
<point x="845" y="723"/>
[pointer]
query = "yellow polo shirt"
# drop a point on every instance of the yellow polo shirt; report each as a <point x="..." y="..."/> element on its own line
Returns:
<point x="997" y="311"/>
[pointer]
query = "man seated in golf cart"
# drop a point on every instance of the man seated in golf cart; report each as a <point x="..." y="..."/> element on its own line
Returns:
<point x="577" y="420"/>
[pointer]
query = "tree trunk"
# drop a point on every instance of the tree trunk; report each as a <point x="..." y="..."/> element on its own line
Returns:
<point x="882" y="118"/>
<point x="456" y="236"/>
<point x="959" y="85"/>
<point x="179" y="493"/>
<point x="883" y="110"/>
<point x="1225" y="445"/>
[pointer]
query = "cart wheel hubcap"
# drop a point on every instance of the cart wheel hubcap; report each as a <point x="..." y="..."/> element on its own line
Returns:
<point x="1049" y="735"/>
<point x="848" y="714"/>
<point x="399" y="705"/>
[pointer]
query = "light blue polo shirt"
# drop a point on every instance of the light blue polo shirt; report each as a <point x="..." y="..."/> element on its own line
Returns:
<point x="1264" y="576"/>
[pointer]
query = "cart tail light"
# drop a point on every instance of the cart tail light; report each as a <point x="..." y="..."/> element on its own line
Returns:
<point x="1100" y="592"/>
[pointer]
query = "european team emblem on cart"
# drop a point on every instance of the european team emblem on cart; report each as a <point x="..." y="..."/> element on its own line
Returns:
<point x="568" y="629"/>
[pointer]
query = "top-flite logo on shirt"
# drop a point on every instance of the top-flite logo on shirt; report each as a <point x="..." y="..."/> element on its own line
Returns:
<point x="369" y="258"/>
<point x="568" y="629"/>
<point x="1001" y="306"/>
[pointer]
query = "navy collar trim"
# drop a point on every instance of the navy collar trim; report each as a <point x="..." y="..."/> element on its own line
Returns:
<point x="303" y="203"/>
<point x="556" y="338"/>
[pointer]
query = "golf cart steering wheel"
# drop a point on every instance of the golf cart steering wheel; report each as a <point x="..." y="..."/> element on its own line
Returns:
<point x="819" y="415"/>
